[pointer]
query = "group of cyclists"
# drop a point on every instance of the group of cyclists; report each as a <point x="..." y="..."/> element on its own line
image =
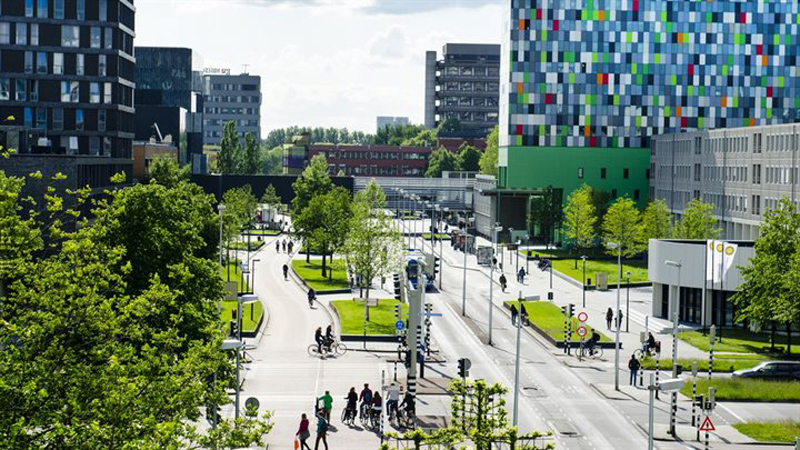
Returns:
<point x="368" y="406"/>
<point x="286" y="245"/>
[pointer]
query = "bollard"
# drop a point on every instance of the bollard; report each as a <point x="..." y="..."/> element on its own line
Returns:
<point x="657" y="364"/>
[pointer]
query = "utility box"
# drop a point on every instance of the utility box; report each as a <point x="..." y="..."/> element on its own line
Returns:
<point x="602" y="281"/>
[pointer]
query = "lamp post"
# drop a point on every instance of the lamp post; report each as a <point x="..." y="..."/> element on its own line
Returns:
<point x="628" y="301"/>
<point x="441" y="251"/>
<point x="253" y="280"/>
<point x="584" y="258"/>
<point x="673" y="385"/>
<point x="673" y="401"/>
<point x="495" y="230"/>
<point x="221" y="209"/>
<point x="551" y="269"/>
<point x="614" y="245"/>
<point x="515" y="419"/>
<point x="464" y="282"/>
<point x="527" y="249"/>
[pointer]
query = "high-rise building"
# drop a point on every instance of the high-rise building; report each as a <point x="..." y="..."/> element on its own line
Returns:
<point x="463" y="85"/>
<point x="585" y="85"/>
<point x="385" y="121"/>
<point x="231" y="97"/>
<point x="66" y="86"/>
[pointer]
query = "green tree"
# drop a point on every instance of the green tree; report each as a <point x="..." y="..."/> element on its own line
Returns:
<point x="229" y="160"/>
<point x="488" y="163"/>
<point x="373" y="247"/>
<point x="325" y="222"/>
<point x="313" y="182"/>
<point x="601" y="201"/>
<point x="167" y="172"/>
<point x="252" y="156"/>
<point x="441" y="160"/>
<point x="469" y="158"/>
<point x="451" y="125"/>
<point x="272" y="160"/>
<point x="20" y="238"/>
<point x="656" y="222"/>
<point x="698" y="222"/>
<point x="424" y="138"/>
<point x="621" y="226"/>
<point x="545" y="215"/>
<point x="272" y="200"/>
<point x="771" y="290"/>
<point x="579" y="218"/>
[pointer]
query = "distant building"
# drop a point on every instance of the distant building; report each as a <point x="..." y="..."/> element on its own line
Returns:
<point x="384" y="121"/>
<point x="373" y="160"/>
<point x="463" y="85"/>
<point x="66" y="90"/>
<point x="295" y="154"/>
<point x="145" y="152"/>
<point x="231" y="97"/>
<point x="453" y="144"/>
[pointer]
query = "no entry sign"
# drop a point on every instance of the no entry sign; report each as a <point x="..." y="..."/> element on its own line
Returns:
<point x="582" y="316"/>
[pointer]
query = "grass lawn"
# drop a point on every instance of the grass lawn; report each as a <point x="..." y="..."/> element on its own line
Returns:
<point x="247" y="324"/>
<point x="770" y="431"/>
<point x="242" y="245"/>
<point x="235" y="274"/>
<point x="547" y="317"/>
<point x="311" y="272"/>
<point x="564" y="253"/>
<point x="381" y="317"/>
<point x="749" y="390"/>
<point x="739" y="340"/>
<point x="263" y="232"/>
<point x="637" y="268"/>
<point x="722" y="363"/>
<point x="442" y="236"/>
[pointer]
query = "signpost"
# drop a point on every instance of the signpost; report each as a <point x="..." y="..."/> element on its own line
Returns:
<point x="583" y="316"/>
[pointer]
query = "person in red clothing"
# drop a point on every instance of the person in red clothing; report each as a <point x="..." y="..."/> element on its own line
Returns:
<point x="302" y="433"/>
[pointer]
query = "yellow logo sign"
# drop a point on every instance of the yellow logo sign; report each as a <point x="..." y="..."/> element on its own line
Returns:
<point x="729" y="251"/>
<point x="719" y="247"/>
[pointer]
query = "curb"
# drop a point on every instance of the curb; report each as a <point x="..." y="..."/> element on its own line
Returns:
<point x="560" y="344"/>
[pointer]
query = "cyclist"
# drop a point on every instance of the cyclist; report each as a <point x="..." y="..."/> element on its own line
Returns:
<point x="285" y="271"/>
<point x="278" y="246"/>
<point x="377" y="405"/>
<point x="408" y="402"/>
<point x="319" y="339"/>
<point x="392" y="398"/>
<point x="365" y="398"/>
<point x="329" y="337"/>
<point x="352" y="400"/>
<point x="593" y="340"/>
<point x="311" y="296"/>
<point x="650" y="344"/>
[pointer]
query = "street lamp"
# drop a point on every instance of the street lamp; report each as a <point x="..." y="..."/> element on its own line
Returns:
<point x="495" y="230"/>
<point x="221" y="209"/>
<point x="628" y="301"/>
<point x="584" y="258"/>
<point x="464" y="234"/>
<point x="441" y="250"/>
<point x="673" y="385"/>
<point x="253" y="280"/>
<point x="527" y="249"/>
<point x="515" y="419"/>
<point x="614" y="245"/>
<point x="241" y="300"/>
<point x="673" y="401"/>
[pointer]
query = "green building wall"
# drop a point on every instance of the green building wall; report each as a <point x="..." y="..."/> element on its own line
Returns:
<point x="523" y="167"/>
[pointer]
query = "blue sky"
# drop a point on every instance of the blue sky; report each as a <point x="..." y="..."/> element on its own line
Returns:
<point x="326" y="63"/>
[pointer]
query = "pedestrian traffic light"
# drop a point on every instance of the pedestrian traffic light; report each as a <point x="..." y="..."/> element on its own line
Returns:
<point x="463" y="367"/>
<point x="564" y="310"/>
<point x="571" y="309"/>
<point x="397" y="311"/>
<point x="212" y="414"/>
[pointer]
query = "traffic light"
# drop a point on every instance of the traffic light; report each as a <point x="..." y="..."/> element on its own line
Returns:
<point x="463" y="367"/>
<point x="571" y="309"/>
<point x="212" y="414"/>
<point x="435" y="265"/>
<point x="398" y="311"/>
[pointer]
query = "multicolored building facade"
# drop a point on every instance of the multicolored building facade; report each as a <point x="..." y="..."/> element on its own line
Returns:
<point x="585" y="84"/>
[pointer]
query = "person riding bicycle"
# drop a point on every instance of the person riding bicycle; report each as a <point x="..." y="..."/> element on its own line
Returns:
<point x="593" y="340"/>
<point x="392" y="398"/>
<point x="329" y="337"/>
<point x="650" y="344"/>
<point x="311" y="296"/>
<point x="377" y="404"/>
<point x="408" y="402"/>
<point x="285" y="272"/>
<point x="352" y="401"/>
<point x="365" y="397"/>
<point x="319" y="339"/>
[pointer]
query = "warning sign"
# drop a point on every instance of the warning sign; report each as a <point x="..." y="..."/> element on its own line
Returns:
<point x="707" y="425"/>
<point x="581" y="331"/>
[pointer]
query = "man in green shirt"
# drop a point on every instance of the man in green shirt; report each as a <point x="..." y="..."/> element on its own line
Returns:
<point x="327" y="404"/>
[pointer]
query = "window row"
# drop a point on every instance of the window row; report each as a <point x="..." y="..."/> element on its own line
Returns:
<point x="780" y="175"/>
<point x="53" y="63"/>
<point x="55" y="9"/>
<point x="54" y="119"/>
<point x="469" y="101"/>
<point x="233" y="98"/>
<point x="472" y="86"/>
<point x="233" y="87"/>
<point x="23" y="90"/>
<point x="472" y="71"/>
<point x="225" y="110"/>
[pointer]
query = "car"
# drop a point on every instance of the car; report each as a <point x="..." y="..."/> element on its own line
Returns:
<point x="772" y="370"/>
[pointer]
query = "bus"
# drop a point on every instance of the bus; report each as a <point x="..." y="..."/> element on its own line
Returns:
<point x="413" y="269"/>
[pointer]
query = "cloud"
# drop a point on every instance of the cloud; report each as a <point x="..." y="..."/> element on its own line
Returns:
<point x="390" y="44"/>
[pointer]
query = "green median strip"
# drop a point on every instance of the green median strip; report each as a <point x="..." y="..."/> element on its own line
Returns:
<point x="741" y="340"/>
<point x="311" y="273"/>
<point x="638" y="270"/>
<point x="785" y="431"/>
<point x="263" y="232"/>
<point x="548" y="318"/>
<point x="722" y="363"/>
<point x="251" y="314"/>
<point x="738" y="389"/>
<point x="442" y="236"/>
<point x="242" y="245"/>
<point x="381" y="317"/>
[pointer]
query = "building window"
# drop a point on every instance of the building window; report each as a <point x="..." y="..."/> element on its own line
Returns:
<point x="697" y="172"/>
<point x="107" y="93"/>
<point x="22" y="91"/>
<point x="5" y="89"/>
<point x="74" y="92"/>
<point x="65" y="92"/>
<point x="94" y="92"/>
<point x="106" y="145"/>
<point x="109" y="38"/>
<point x="103" y="10"/>
<point x="580" y="172"/>
<point x="95" y="37"/>
<point x="28" y="62"/>
<point x="101" y="120"/>
<point x="101" y="65"/>
<point x="613" y="193"/>
<point x="34" y="90"/>
<point x="756" y="173"/>
<point x="697" y="194"/>
<point x="5" y="33"/>
<point x="41" y="63"/>
<point x="698" y="145"/>
<point x="22" y="33"/>
<point x="70" y="36"/>
<point x="757" y="143"/>
<point x="34" y="34"/>
<point x="757" y="205"/>
<point x="625" y="173"/>
<point x="41" y="118"/>
<point x="636" y="194"/>
<point x="79" y="66"/>
<point x="58" y="119"/>
<point x="603" y="173"/>
<point x="81" y="10"/>
<point x="28" y="117"/>
<point x="58" y="9"/>
<point x="28" y="8"/>
<point x="94" y="145"/>
<point x="58" y="63"/>
<point x="41" y="9"/>
<point x="79" y="119"/>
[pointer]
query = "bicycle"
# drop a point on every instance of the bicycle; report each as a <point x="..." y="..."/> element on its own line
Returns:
<point x="594" y="351"/>
<point x="655" y="352"/>
<point x="406" y="419"/>
<point x="348" y="416"/>
<point x="365" y="412"/>
<point x="375" y="419"/>
<point x="335" y="348"/>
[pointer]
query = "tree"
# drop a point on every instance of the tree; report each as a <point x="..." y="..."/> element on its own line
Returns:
<point x="252" y="156"/>
<point x="579" y="218"/>
<point x="424" y="138"/>
<point x="545" y="214"/>
<point x="488" y="161"/>
<point x="272" y="160"/>
<point x="325" y="222"/>
<point x="271" y="199"/>
<point x="441" y="160"/>
<point x="229" y="158"/>
<point x="621" y="226"/>
<point x="469" y="158"/>
<point x="601" y="201"/>
<point x="771" y="290"/>
<point x="167" y="172"/>
<point x="698" y="222"/>
<point x="373" y="247"/>
<point x="314" y="181"/>
<point x="451" y="125"/>
<point x="656" y="222"/>
<point x="20" y="238"/>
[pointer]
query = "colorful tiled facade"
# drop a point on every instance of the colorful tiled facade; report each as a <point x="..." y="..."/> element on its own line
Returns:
<point x="613" y="73"/>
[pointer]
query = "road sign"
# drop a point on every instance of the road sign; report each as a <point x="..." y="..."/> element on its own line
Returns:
<point x="707" y="425"/>
<point x="433" y="314"/>
<point x="252" y="402"/>
<point x="399" y="325"/>
<point x="581" y="331"/>
<point x="582" y="316"/>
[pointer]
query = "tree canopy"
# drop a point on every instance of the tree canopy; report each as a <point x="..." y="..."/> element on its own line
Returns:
<point x="698" y="222"/>
<point x="656" y="222"/>
<point x="488" y="163"/>
<point x="167" y="172"/>
<point x="621" y="226"/>
<point x="325" y="222"/>
<point x="230" y="153"/>
<point x="278" y="137"/>
<point x="441" y="160"/>
<point x="469" y="158"/>
<point x="580" y="217"/>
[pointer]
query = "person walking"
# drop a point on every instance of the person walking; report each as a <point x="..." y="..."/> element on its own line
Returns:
<point x="327" y="404"/>
<point x="277" y="246"/>
<point x="322" y="431"/>
<point x="521" y="275"/>
<point x="619" y="318"/>
<point x="283" y="245"/>
<point x="302" y="432"/>
<point x="609" y="317"/>
<point x="523" y="314"/>
<point x="514" y="314"/>
<point x="285" y="272"/>
<point x="291" y="246"/>
<point x="311" y="297"/>
<point x="634" y="366"/>
<point x="503" y="282"/>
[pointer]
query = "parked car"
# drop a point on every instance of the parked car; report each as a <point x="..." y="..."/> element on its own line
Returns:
<point x="772" y="370"/>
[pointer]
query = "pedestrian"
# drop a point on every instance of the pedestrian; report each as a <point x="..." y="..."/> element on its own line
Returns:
<point x="278" y="246"/>
<point x="322" y="431"/>
<point x="619" y="318"/>
<point x="523" y="314"/>
<point x="609" y="317"/>
<point x="283" y="245"/>
<point x="327" y="404"/>
<point x="634" y="366"/>
<point x="514" y="314"/>
<point x="503" y="282"/>
<point x="285" y="272"/>
<point x="291" y="246"/>
<point x="311" y="297"/>
<point x="302" y="433"/>
<point x="521" y="275"/>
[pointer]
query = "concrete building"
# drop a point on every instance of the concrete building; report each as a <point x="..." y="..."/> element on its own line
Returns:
<point x="463" y="85"/>
<point x="384" y="121"/>
<point x="374" y="160"/>
<point x="698" y="263"/>
<point x="741" y="171"/>
<point x="231" y="97"/>
<point x="66" y="88"/>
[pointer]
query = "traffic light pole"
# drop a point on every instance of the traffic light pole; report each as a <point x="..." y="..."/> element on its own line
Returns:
<point x="515" y="420"/>
<point x="414" y="314"/>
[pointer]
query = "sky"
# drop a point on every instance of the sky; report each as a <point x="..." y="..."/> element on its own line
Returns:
<point x="330" y="63"/>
